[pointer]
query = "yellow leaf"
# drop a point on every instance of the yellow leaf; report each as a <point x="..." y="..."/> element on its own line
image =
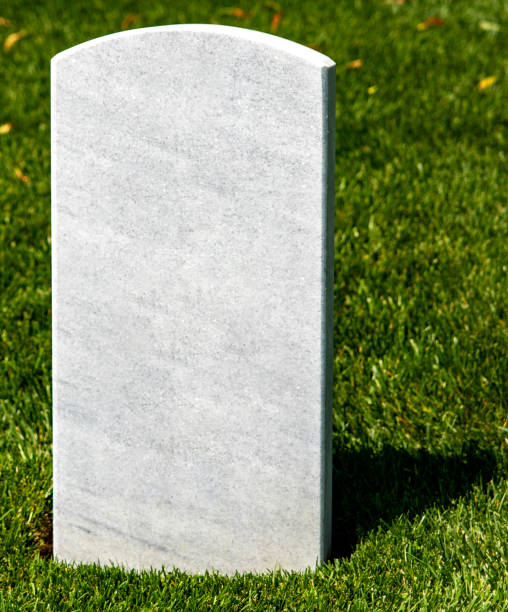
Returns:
<point x="489" y="26"/>
<point x="237" y="12"/>
<point x="5" y="128"/>
<point x="13" y="38"/>
<point x="487" y="82"/>
<point x="354" y="65"/>
<point x="4" y="22"/>
<point x="21" y="176"/>
<point x="128" y="20"/>
<point x="431" y="22"/>
<point x="372" y="90"/>
<point x="276" y="21"/>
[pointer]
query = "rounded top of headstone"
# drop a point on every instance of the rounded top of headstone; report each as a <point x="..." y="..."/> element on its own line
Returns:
<point x="278" y="43"/>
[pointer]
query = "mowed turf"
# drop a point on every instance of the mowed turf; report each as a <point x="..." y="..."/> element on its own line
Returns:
<point x="421" y="291"/>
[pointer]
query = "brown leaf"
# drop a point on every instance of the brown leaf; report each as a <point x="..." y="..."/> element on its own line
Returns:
<point x="316" y="47"/>
<point x="128" y="20"/>
<point x="5" y="128"/>
<point x="276" y="21"/>
<point x="487" y="82"/>
<point x="13" y="38"/>
<point x="431" y="22"/>
<point x="4" y="22"/>
<point x="354" y="64"/>
<point x="21" y="176"/>
<point x="237" y="12"/>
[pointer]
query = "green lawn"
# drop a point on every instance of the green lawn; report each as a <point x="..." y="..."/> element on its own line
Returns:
<point x="420" y="391"/>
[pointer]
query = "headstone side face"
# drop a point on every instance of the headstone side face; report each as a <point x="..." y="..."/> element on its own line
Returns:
<point x="192" y="232"/>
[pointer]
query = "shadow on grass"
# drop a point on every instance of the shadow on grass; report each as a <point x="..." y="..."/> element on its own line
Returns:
<point x="371" y="488"/>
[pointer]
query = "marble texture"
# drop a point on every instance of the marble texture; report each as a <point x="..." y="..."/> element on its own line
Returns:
<point x="192" y="233"/>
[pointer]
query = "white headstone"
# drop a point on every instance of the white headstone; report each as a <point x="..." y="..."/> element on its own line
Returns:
<point x="192" y="211"/>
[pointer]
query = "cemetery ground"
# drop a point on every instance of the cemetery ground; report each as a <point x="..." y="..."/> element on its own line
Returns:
<point x="421" y="256"/>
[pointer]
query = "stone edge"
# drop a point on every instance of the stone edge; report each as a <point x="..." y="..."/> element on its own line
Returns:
<point x="276" y="42"/>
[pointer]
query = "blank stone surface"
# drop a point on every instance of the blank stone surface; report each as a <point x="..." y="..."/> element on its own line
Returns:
<point x="192" y="220"/>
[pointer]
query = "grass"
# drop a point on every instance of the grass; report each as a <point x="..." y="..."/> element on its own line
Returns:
<point x="420" y="399"/>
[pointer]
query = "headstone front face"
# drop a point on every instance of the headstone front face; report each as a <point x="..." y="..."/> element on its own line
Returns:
<point x="192" y="211"/>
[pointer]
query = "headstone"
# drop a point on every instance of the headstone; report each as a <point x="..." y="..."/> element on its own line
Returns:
<point x="192" y="211"/>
